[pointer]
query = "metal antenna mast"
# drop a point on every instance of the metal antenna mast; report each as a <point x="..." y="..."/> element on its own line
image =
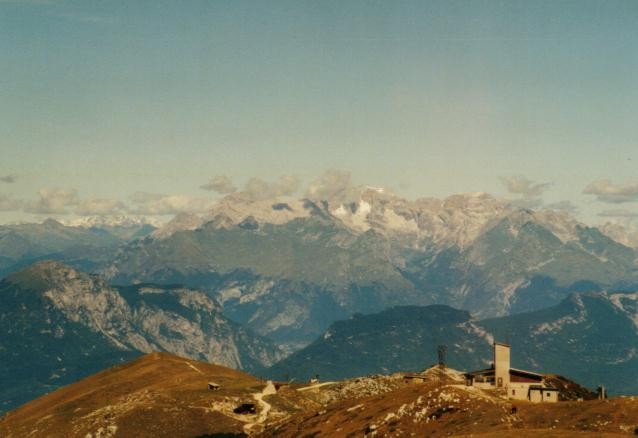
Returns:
<point x="442" y="352"/>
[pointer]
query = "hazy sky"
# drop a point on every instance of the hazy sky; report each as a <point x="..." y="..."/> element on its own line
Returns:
<point x="105" y="105"/>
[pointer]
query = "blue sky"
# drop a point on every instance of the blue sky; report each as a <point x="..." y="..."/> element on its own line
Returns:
<point x="109" y="100"/>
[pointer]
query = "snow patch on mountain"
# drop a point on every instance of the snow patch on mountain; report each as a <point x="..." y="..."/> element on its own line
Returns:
<point x="256" y="290"/>
<point x="626" y="303"/>
<point x="111" y="221"/>
<point x="290" y="315"/>
<point x="557" y="325"/>
<point x="508" y="292"/>
<point x="539" y="265"/>
<point x="561" y="224"/>
<point x="626" y="357"/>
<point x="625" y="234"/>
<point x="473" y="329"/>
<point x="181" y="222"/>
<point x="237" y="207"/>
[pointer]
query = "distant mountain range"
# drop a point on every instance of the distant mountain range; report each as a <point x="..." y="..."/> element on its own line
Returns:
<point x="87" y="244"/>
<point x="288" y="269"/>
<point x="58" y="324"/>
<point x="589" y="337"/>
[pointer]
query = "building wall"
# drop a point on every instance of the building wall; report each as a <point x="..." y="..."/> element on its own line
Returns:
<point x="502" y="365"/>
<point x="518" y="390"/>
<point x="483" y="385"/>
<point x="542" y="396"/>
<point x="550" y="396"/>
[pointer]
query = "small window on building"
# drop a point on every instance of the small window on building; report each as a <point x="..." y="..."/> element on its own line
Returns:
<point x="549" y="394"/>
<point x="513" y="392"/>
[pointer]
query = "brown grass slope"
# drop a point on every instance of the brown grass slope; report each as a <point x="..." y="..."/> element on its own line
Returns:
<point x="157" y="395"/>
<point x="448" y="408"/>
<point x="160" y="395"/>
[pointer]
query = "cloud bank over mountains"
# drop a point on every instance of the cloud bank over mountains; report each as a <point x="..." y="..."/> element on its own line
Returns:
<point x="530" y="194"/>
<point x="530" y="191"/>
<point x="258" y="189"/>
<point x="606" y="191"/>
<point x="156" y="204"/>
<point x="53" y="201"/>
<point x="221" y="184"/>
<point x="334" y="185"/>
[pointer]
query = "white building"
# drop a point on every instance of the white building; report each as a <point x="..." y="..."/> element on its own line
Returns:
<point x="517" y="384"/>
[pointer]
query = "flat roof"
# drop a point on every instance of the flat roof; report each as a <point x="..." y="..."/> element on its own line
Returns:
<point x="511" y="371"/>
<point x="530" y="373"/>
<point x="484" y="371"/>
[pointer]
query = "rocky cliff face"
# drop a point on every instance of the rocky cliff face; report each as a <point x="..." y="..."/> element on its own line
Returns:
<point x="64" y="324"/>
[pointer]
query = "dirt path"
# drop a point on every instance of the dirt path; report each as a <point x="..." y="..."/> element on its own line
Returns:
<point x="265" y="407"/>
<point x="316" y="385"/>
<point x="194" y="367"/>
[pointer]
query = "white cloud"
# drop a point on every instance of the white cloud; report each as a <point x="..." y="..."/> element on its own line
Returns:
<point x="258" y="189"/>
<point x="606" y="191"/>
<point x="53" y="201"/>
<point x="523" y="186"/>
<point x="154" y="204"/>
<point x="334" y="185"/>
<point x="100" y="207"/>
<point x="220" y="184"/>
<point x="530" y="191"/>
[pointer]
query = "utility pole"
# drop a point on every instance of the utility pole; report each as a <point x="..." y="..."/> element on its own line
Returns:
<point x="442" y="353"/>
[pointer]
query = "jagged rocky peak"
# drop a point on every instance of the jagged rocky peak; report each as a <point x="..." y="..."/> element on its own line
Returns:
<point x="52" y="223"/>
<point x="458" y="219"/>
<point x="561" y="223"/>
<point x="181" y="222"/>
<point x="453" y="221"/>
<point x="237" y="207"/>
<point x="111" y="221"/>
<point x="625" y="234"/>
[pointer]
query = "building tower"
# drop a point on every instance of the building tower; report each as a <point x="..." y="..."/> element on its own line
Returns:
<point x="501" y="365"/>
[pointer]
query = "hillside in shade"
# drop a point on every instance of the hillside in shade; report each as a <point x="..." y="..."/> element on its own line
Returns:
<point x="58" y="324"/>
<point x="589" y="337"/>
